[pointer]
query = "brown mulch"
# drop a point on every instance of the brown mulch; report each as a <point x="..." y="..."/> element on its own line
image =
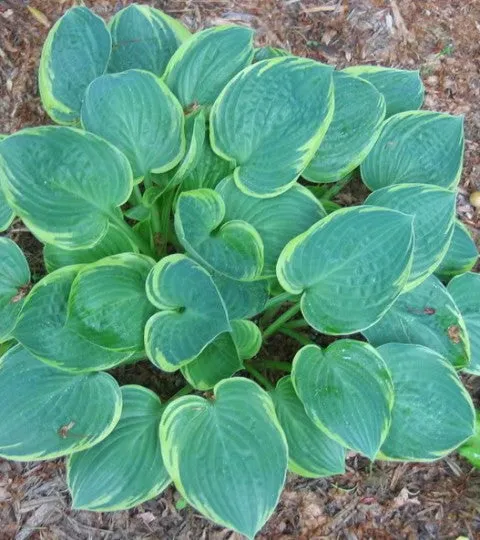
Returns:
<point x="439" y="37"/>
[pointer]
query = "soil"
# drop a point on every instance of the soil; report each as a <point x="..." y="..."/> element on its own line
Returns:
<point x="383" y="500"/>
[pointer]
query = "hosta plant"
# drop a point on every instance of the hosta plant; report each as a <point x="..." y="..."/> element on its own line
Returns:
<point x="184" y="206"/>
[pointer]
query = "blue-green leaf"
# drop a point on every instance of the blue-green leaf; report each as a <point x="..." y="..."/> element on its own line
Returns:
<point x="461" y="256"/>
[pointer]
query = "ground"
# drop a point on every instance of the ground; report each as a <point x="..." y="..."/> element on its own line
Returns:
<point x="439" y="37"/>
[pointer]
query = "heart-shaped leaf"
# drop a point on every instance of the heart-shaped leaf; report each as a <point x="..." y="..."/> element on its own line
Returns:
<point x="311" y="452"/>
<point x="192" y="312"/>
<point x="433" y="209"/>
<point x="432" y="413"/>
<point x="218" y="361"/>
<point x="47" y="412"/>
<point x="427" y="316"/>
<point x="14" y="285"/>
<point x="204" y="64"/>
<point x="151" y="134"/>
<point x="277" y="220"/>
<point x="231" y="247"/>
<point x="115" y="241"/>
<point x="108" y="305"/>
<point x="357" y="120"/>
<point x="215" y="451"/>
<point x="371" y="244"/>
<point x="243" y="299"/>
<point x="461" y="256"/>
<point x="144" y="38"/>
<point x="45" y="310"/>
<point x="75" y="53"/>
<point x="77" y="172"/>
<point x="247" y="338"/>
<point x="270" y="120"/>
<point x="402" y="88"/>
<point x="126" y="468"/>
<point x="419" y="147"/>
<point x="465" y="291"/>
<point x="347" y="391"/>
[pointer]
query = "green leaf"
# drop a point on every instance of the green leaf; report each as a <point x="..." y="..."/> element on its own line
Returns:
<point x="192" y="312"/>
<point x="144" y="38"/>
<point x="243" y="299"/>
<point x="311" y="453"/>
<point x="471" y="449"/>
<point x="126" y="468"/>
<point x="461" y="256"/>
<point x="356" y="124"/>
<point x="228" y="456"/>
<point x="68" y="189"/>
<point x="137" y="113"/>
<point x="247" y="337"/>
<point x="427" y="316"/>
<point x="47" y="412"/>
<point x="402" y="89"/>
<point x="204" y="64"/>
<point x="265" y="53"/>
<point x="53" y="342"/>
<point x="270" y="120"/>
<point x="347" y="391"/>
<point x="115" y="241"/>
<point x="7" y="215"/>
<point x="108" y="305"/>
<point x="373" y="245"/>
<point x="219" y="360"/>
<point x="14" y="283"/>
<point x="230" y="247"/>
<point x="277" y="220"/>
<point x="75" y="53"/>
<point x="140" y="212"/>
<point x="432" y="413"/>
<point x="419" y="147"/>
<point x="433" y="209"/>
<point x="465" y="291"/>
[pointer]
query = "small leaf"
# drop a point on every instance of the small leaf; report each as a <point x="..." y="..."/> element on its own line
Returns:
<point x="66" y="413"/>
<point x="53" y="342"/>
<point x="270" y="120"/>
<point x="265" y="53"/>
<point x="77" y="172"/>
<point x="427" y="316"/>
<point x="192" y="312"/>
<point x="347" y="391"/>
<point x="465" y="291"/>
<point x="218" y="361"/>
<point x="75" y="53"/>
<point x="277" y="220"/>
<point x="144" y="38"/>
<point x="471" y="449"/>
<point x="138" y="213"/>
<point x="14" y="285"/>
<point x="230" y="247"/>
<point x="433" y="209"/>
<point x="247" y="338"/>
<point x="155" y="145"/>
<point x="432" y="413"/>
<point x="461" y="256"/>
<point x="372" y="245"/>
<point x="311" y="453"/>
<point x="204" y="64"/>
<point x="243" y="299"/>
<point x="419" y="147"/>
<point x="402" y="89"/>
<point x="126" y="468"/>
<point x="115" y="241"/>
<point x="108" y="305"/>
<point x="356" y="124"/>
<point x="215" y="451"/>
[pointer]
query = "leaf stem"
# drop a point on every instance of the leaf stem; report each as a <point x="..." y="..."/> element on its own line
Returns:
<point x="336" y="188"/>
<point x="136" y="196"/>
<point x="132" y="235"/>
<point x="155" y="215"/>
<point x="284" y="317"/>
<point x="164" y="217"/>
<point x="303" y="340"/>
<point x="259" y="377"/>
<point x="187" y="389"/>
<point x="297" y="323"/>
<point x="274" y="364"/>
<point x="273" y="305"/>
